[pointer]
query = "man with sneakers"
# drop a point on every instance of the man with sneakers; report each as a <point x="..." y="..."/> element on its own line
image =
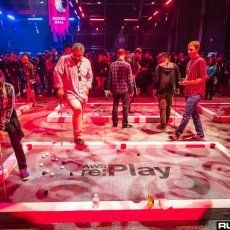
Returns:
<point x="120" y="84"/>
<point x="9" y="123"/>
<point x="166" y="78"/>
<point x="73" y="78"/>
<point x="194" y="83"/>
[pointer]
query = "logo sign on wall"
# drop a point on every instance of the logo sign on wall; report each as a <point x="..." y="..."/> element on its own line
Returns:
<point x="58" y="18"/>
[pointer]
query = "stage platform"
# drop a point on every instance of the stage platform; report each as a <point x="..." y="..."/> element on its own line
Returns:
<point x="190" y="179"/>
<point x="102" y="113"/>
<point x="217" y="112"/>
<point x="187" y="177"/>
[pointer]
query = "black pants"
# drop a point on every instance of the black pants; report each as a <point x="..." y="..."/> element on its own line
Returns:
<point x="209" y="89"/>
<point x="15" y="134"/>
<point x="164" y="104"/>
<point x="125" y="103"/>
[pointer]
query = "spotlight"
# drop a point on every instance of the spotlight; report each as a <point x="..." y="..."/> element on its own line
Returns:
<point x="152" y="2"/>
<point x="155" y="13"/>
<point x="80" y="8"/>
<point x="168" y="2"/>
<point x="83" y="15"/>
<point x="41" y="2"/>
<point x="71" y="19"/>
<point x="98" y="3"/>
<point x="0" y="12"/>
<point x="71" y="4"/>
<point x="10" y="17"/>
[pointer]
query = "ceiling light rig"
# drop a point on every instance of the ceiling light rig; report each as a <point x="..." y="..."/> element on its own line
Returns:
<point x="158" y="12"/>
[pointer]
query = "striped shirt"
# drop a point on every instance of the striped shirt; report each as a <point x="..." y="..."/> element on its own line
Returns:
<point x="7" y="102"/>
<point x="120" y="78"/>
<point x="196" y="68"/>
<point x="74" y="78"/>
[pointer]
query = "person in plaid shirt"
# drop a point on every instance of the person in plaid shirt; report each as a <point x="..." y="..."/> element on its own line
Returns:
<point x="9" y="123"/>
<point x="120" y="84"/>
<point x="194" y="83"/>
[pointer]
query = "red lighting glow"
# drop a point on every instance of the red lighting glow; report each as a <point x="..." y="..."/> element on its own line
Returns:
<point x="168" y="2"/>
<point x="80" y="8"/>
<point x="156" y="13"/>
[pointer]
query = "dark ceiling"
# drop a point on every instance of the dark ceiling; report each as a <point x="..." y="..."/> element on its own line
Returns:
<point x="113" y="12"/>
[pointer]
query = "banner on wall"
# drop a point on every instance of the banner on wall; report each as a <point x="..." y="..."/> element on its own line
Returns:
<point x="58" y="18"/>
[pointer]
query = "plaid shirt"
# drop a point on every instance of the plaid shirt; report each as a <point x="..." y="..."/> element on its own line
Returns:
<point x="196" y="68"/>
<point x="120" y="78"/>
<point x="7" y="101"/>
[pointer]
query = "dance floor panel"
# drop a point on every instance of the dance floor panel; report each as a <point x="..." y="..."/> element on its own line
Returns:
<point x="102" y="113"/>
<point x="22" y="107"/>
<point x="121" y="173"/>
<point x="217" y="112"/>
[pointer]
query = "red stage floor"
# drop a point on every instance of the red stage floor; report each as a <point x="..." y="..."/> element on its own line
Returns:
<point x="180" y="172"/>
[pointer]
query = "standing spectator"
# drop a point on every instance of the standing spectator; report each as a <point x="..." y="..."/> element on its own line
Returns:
<point x="134" y="61"/>
<point x="29" y="77"/>
<point x="196" y="75"/>
<point x="9" y="123"/>
<point x="73" y="77"/>
<point x="211" y="76"/>
<point x="121" y="85"/>
<point x="166" y="78"/>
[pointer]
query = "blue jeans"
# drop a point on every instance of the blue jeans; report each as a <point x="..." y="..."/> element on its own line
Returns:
<point x="191" y="110"/>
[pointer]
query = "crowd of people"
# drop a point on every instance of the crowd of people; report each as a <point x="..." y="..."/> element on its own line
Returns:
<point x="37" y="77"/>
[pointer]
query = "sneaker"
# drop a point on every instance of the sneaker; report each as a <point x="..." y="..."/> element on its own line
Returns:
<point x="197" y="138"/>
<point x="24" y="174"/>
<point x="79" y="141"/>
<point x="126" y="126"/>
<point x="174" y="136"/>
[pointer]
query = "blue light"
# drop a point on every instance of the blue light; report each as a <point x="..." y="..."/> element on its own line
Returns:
<point x="41" y="1"/>
<point x="0" y="12"/>
<point x="34" y="19"/>
<point x="71" y="19"/>
<point x="10" y="17"/>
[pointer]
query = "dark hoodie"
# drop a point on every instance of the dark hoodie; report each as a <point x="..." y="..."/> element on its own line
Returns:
<point x="166" y="78"/>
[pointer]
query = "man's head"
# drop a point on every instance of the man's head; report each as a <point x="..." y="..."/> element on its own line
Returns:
<point x="78" y="50"/>
<point x="121" y="54"/>
<point x="162" y="57"/>
<point x="138" y="54"/>
<point x="193" y="48"/>
<point x="24" y="58"/>
<point x="67" y="49"/>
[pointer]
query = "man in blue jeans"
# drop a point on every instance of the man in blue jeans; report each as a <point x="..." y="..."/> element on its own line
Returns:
<point x="194" y="83"/>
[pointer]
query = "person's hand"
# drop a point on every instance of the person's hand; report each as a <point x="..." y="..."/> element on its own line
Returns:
<point x="87" y="91"/>
<point x="107" y="93"/>
<point x="184" y="82"/>
<point x="60" y="92"/>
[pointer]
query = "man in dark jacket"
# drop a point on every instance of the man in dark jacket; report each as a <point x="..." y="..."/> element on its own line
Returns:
<point x="166" y="78"/>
